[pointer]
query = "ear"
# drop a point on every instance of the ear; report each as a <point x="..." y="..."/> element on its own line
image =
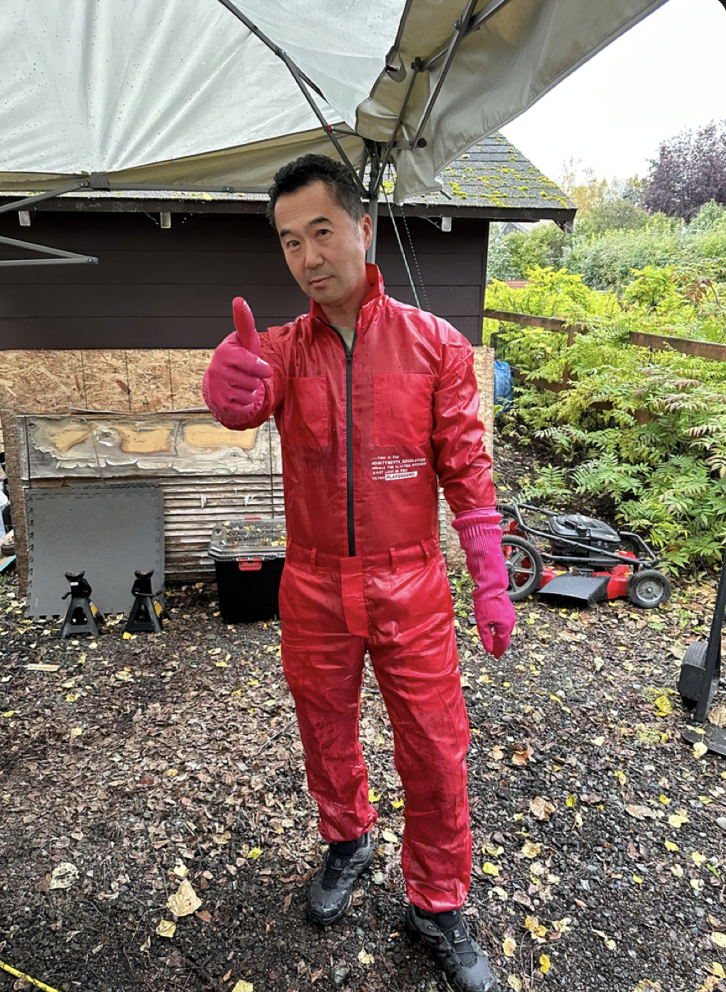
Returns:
<point x="366" y="230"/>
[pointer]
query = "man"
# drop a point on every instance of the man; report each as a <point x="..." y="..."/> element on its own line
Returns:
<point x="374" y="401"/>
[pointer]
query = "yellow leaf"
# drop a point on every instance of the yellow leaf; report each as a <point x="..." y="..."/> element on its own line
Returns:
<point x="638" y="879"/>
<point x="717" y="970"/>
<point x="166" y="928"/>
<point x="514" y="983"/>
<point x="10" y="713"/>
<point x="598" y="741"/>
<point x="677" y="871"/>
<point x="663" y="705"/>
<point x="571" y="800"/>
<point x="489" y="869"/>
<point x="562" y="926"/>
<point x="76" y="731"/>
<point x="364" y="957"/>
<point x="544" y="964"/>
<point x="699" y="749"/>
<point x="184" y="901"/>
<point x="665" y="800"/>
<point x="389" y="836"/>
<point x="509" y="947"/>
<point x="243" y="987"/>
<point x="221" y="664"/>
<point x="718" y="938"/>
<point x="373" y="796"/>
<point x="670" y="846"/>
<point x="255" y="853"/>
<point x="531" y="850"/>
<point x="126" y="636"/>
<point x="698" y="857"/>
<point x="621" y="777"/>
<point x="532" y="924"/>
<point x="492" y="849"/>
<point x="397" y="803"/>
<point x="678" y="819"/>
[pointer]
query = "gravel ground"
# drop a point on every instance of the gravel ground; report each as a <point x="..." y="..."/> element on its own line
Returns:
<point x="168" y="765"/>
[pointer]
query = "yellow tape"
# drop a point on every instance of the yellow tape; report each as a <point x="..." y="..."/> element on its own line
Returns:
<point x="20" y="974"/>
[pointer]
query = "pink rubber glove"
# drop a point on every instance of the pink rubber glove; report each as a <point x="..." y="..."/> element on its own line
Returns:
<point x="481" y="540"/>
<point x="233" y="386"/>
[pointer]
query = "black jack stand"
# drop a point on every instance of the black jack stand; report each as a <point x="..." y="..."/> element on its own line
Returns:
<point x="700" y="676"/>
<point x="147" y="611"/>
<point x="82" y="617"/>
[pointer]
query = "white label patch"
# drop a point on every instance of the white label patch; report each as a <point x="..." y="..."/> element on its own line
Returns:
<point x="389" y="468"/>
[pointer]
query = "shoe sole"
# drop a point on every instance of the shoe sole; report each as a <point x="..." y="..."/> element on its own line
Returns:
<point x="334" y="919"/>
<point x="417" y="937"/>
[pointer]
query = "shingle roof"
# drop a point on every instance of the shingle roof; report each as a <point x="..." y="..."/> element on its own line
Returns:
<point x="492" y="176"/>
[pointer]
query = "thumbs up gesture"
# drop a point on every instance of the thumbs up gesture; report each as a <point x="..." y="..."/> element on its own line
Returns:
<point x="233" y="386"/>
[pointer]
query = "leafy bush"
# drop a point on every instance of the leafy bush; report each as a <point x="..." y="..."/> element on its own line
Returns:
<point x="647" y="429"/>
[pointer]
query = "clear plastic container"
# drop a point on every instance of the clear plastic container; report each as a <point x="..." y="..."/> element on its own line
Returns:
<point x="250" y="537"/>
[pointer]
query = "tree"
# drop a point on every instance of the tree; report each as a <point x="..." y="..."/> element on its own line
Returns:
<point x="582" y="185"/>
<point x="690" y="170"/>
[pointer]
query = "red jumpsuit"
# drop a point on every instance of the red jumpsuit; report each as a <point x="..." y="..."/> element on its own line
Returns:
<point x="365" y="436"/>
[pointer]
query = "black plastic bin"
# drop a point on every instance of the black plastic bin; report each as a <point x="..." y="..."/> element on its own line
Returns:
<point x="249" y="556"/>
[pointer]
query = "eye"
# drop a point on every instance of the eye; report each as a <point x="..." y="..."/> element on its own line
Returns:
<point x="323" y="231"/>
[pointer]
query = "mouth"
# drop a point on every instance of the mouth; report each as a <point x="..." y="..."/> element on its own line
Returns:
<point x="320" y="281"/>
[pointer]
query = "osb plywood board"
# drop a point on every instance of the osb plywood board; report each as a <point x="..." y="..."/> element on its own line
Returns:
<point x="187" y="371"/>
<point x="149" y="380"/>
<point x="49" y="381"/>
<point x="106" y="378"/>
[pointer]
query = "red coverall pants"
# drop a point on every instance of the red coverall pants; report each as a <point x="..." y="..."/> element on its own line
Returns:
<point x="398" y="607"/>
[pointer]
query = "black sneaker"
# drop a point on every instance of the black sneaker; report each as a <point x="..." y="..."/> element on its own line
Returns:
<point x="466" y="968"/>
<point x="332" y="889"/>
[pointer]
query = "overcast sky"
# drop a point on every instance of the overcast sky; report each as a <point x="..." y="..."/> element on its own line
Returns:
<point x="665" y="74"/>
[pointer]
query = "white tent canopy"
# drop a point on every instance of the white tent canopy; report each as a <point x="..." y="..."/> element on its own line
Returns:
<point x="220" y="93"/>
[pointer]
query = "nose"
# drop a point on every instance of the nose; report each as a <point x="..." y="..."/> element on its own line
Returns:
<point x="313" y="257"/>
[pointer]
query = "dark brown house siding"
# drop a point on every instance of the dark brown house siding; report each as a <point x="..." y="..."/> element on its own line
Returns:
<point x="156" y="288"/>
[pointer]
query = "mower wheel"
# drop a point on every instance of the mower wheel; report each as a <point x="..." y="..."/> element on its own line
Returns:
<point x="524" y="566"/>
<point x="649" y="588"/>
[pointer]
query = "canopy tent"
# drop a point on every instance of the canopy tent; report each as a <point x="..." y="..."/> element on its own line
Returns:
<point x="215" y="94"/>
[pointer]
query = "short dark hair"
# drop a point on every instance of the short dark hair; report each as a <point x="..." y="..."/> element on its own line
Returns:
<point x="317" y="168"/>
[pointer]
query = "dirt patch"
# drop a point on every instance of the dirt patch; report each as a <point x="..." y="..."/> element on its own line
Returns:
<point x="172" y="756"/>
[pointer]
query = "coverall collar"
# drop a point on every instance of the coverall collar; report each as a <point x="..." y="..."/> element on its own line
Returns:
<point x="376" y="291"/>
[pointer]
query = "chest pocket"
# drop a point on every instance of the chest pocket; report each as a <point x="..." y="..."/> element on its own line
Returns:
<point x="307" y="417"/>
<point x="403" y="409"/>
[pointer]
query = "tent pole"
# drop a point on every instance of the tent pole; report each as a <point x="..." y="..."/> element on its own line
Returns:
<point x="373" y="214"/>
<point x="28" y="202"/>
<point x="302" y="81"/>
<point x="461" y="30"/>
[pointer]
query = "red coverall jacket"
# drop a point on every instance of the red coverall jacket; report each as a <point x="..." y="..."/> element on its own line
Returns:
<point x="365" y="435"/>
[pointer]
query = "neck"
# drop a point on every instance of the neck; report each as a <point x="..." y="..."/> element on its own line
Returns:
<point x="344" y="313"/>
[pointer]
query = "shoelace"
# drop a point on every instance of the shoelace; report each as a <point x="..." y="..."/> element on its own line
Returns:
<point x="458" y="936"/>
<point x="335" y="865"/>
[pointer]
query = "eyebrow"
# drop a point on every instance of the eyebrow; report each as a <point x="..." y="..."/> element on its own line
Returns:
<point x="311" y="223"/>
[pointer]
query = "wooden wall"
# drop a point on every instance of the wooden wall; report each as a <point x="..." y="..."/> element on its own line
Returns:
<point x="172" y="289"/>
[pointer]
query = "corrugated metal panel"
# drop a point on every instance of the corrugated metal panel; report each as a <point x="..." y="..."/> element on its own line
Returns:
<point x="192" y="507"/>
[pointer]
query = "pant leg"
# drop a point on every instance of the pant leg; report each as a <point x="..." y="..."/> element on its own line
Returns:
<point x="323" y="665"/>
<point x="413" y="650"/>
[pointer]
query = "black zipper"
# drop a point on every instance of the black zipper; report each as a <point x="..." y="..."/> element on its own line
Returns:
<point x="349" y="442"/>
<point x="348" y="433"/>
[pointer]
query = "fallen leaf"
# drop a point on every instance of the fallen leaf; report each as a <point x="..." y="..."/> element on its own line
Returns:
<point x="514" y="983"/>
<point x="509" y="947"/>
<point x="255" y="853"/>
<point x="497" y="753"/>
<point x="678" y="819"/>
<point x="538" y="931"/>
<point x="718" y="938"/>
<point x="698" y="857"/>
<point x="571" y="800"/>
<point x="670" y="846"/>
<point x="541" y="808"/>
<point x="389" y="836"/>
<point x="63" y="876"/>
<point x="364" y="957"/>
<point x="489" y="869"/>
<point x="521" y="753"/>
<point x="373" y="796"/>
<point x="717" y="716"/>
<point x="544" y="964"/>
<point x="640" y="812"/>
<point x="184" y="901"/>
<point x="166" y="929"/>
<point x="530" y="849"/>
<point x="621" y="777"/>
<point x="663" y="705"/>
<point x="699" y="749"/>
<point x="717" y="970"/>
<point x="243" y="987"/>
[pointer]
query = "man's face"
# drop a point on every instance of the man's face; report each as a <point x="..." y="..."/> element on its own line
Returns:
<point x="324" y="247"/>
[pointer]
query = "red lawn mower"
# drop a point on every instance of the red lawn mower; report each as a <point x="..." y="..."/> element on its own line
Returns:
<point x="577" y="557"/>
